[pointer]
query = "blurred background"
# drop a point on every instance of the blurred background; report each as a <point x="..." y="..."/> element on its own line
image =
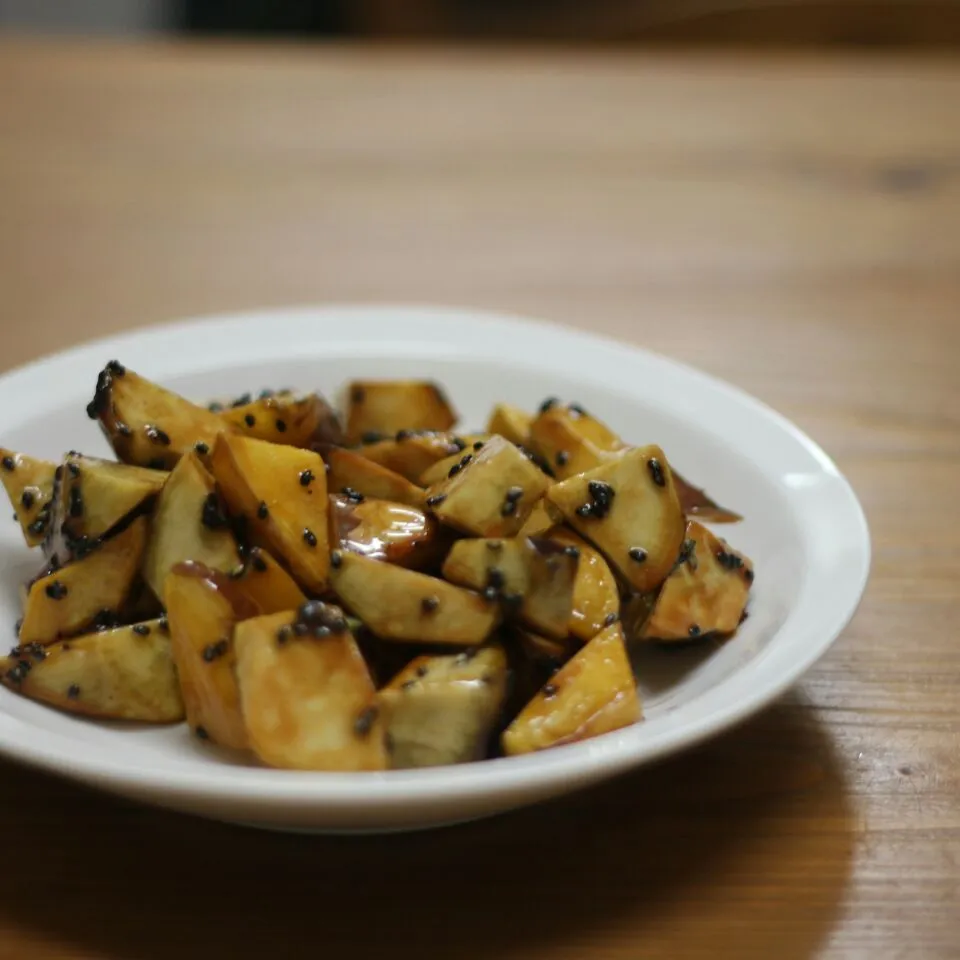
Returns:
<point x="864" y="23"/>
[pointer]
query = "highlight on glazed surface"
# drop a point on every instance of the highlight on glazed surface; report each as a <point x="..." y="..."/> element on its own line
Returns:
<point x="362" y="588"/>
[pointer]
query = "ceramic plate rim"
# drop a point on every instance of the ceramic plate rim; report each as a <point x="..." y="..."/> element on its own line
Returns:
<point x="540" y="773"/>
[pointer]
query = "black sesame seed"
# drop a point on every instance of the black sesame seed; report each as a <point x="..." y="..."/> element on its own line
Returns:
<point x="364" y="723"/>
<point x="371" y="436"/>
<point x="748" y="575"/>
<point x="17" y="626"/>
<point x="550" y="691"/>
<point x="495" y="578"/>
<point x="687" y="550"/>
<point x="156" y="435"/>
<point x="338" y="625"/>
<point x="562" y="458"/>
<point x="729" y="561"/>
<point x="454" y="470"/>
<point x="242" y="400"/>
<point x="215" y="407"/>
<point x="116" y="368"/>
<point x="478" y="445"/>
<point x="76" y="502"/>
<point x="213" y="651"/>
<point x="436" y="499"/>
<point x="201" y="733"/>
<point x="202" y="448"/>
<point x="572" y="551"/>
<point x="508" y="508"/>
<point x="321" y="632"/>
<point x="514" y="494"/>
<point x="422" y="671"/>
<point x="576" y="409"/>
<point x="73" y="691"/>
<point x="9" y="463"/>
<point x="336" y="559"/>
<point x="402" y="435"/>
<point x="259" y="564"/>
<point x="656" y="471"/>
<point x="744" y="616"/>
<point x="490" y="594"/>
<point x="141" y="630"/>
<point x="610" y="619"/>
<point x="262" y="511"/>
<point x="284" y="634"/>
<point x="73" y="468"/>
<point x="301" y="629"/>
<point x="250" y="420"/>
<point x="213" y="517"/>
<point x="358" y="395"/>
<point x="306" y="478"/>
<point x="266" y="394"/>
<point x="429" y="604"/>
<point x="353" y="495"/>
<point x="27" y="498"/>
<point x="584" y="510"/>
<point x="694" y="630"/>
<point x="56" y="590"/>
<point x="548" y="404"/>
<point x="281" y="426"/>
<point x="637" y="554"/>
<point x="459" y="443"/>
<point x="310" y="538"/>
<point x="163" y="625"/>
<point x="124" y="430"/>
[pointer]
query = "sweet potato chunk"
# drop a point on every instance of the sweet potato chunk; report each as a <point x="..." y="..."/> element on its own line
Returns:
<point x="203" y="606"/>
<point x="147" y="425"/>
<point x="29" y="484"/>
<point x="91" y="497"/>
<point x="410" y="454"/>
<point x="348" y="471"/>
<point x="596" y="598"/>
<point x="629" y="509"/>
<point x="398" y="604"/>
<point x="68" y="600"/>
<point x="189" y="524"/>
<point x="307" y="696"/>
<point x="386" y="531"/>
<point x="572" y="441"/>
<point x="386" y="406"/>
<point x="286" y="418"/>
<point x="281" y="492"/>
<point x="511" y="423"/>
<point x="442" y="710"/>
<point x="543" y="518"/>
<point x="594" y="693"/>
<point x="267" y="584"/>
<point x="706" y="593"/>
<point x="490" y="493"/>
<point x="534" y="579"/>
<point x="122" y="674"/>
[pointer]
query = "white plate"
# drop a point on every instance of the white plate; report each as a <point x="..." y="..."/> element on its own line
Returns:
<point x="804" y="529"/>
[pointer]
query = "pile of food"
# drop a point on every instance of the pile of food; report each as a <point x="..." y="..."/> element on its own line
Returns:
<point x="359" y="590"/>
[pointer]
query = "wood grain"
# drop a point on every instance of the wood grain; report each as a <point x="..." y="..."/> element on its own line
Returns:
<point x="790" y="224"/>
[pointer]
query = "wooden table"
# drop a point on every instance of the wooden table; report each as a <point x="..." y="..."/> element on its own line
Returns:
<point x="791" y="225"/>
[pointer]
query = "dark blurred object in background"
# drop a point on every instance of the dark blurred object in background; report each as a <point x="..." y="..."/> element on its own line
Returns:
<point x="794" y="23"/>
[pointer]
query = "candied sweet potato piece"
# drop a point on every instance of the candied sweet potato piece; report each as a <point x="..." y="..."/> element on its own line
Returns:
<point x="306" y="693"/>
<point x="281" y="492"/>
<point x="596" y="599"/>
<point x="386" y="406"/>
<point x="511" y="423"/>
<point x="147" y="425"/>
<point x="189" y="524"/>
<point x="594" y="693"/>
<point x="398" y="604"/>
<point x="67" y="600"/>
<point x="121" y="674"/>
<point x="392" y="532"/>
<point x="442" y="710"/>
<point x="348" y="470"/>
<point x="266" y="584"/>
<point x="628" y="508"/>
<point x="29" y="484"/>
<point x="490" y="493"/>
<point x="410" y="454"/>
<point x="286" y="418"/>
<point x="705" y="594"/>
<point x="572" y="441"/>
